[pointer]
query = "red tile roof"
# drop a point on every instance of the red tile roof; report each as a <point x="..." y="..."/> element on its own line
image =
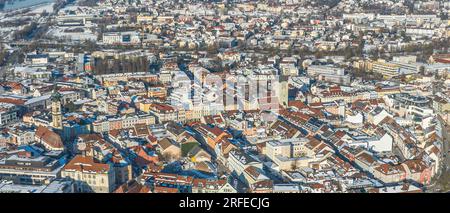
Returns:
<point x="12" y="101"/>
<point x="162" y="189"/>
<point x="86" y="164"/>
<point x="49" y="137"/>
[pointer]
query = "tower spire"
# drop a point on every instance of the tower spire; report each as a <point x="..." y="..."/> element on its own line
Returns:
<point x="56" y="108"/>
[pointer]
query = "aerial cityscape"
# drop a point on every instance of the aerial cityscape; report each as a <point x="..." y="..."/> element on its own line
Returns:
<point x="224" y="96"/>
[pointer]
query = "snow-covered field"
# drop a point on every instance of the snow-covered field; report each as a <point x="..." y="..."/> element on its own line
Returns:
<point x="58" y="32"/>
<point x="41" y="8"/>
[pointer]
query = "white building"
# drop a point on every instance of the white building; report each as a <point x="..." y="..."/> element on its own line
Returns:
<point x="8" y="114"/>
<point x="121" y="38"/>
<point x="329" y="73"/>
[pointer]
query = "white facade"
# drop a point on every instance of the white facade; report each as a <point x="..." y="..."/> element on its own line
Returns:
<point x="383" y="144"/>
<point x="121" y="38"/>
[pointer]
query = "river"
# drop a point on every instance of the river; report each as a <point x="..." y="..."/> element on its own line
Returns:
<point x="18" y="4"/>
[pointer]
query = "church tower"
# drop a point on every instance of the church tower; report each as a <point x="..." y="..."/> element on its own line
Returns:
<point x="56" y="110"/>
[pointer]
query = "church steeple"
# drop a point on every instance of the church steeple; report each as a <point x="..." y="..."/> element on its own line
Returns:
<point x="56" y="96"/>
<point x="56" y="109"/>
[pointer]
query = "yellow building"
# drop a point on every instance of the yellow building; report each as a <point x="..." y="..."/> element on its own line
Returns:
<point x="144" y="19"/>
<point x="388" y="70"/>
<point x="145" y="106"/>
<point x="387" y="91"/>
<point x="363" y="65"/>
<point x="441" y="105"/>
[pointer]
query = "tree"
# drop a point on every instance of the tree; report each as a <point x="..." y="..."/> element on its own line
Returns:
<point x="348" y="52"/>
<point x="25" y="32"/>
<point x="44" y="13"/>
<point x="167" y="157"/>
<point x="90" y="46"/>
<point x="422" y="70"/>
<point x="3" y="57"/>
<point x="294" y="164"/>
<point x="318" y="54"/>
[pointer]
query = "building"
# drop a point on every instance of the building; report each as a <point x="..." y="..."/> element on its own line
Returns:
<point x="49" y="139"/>
<point x="89" y="175"/>
<point x="8" y="114"/>
<point x="25" y="168"/>
<point x="386" y="69"/>
<point x="291" y="154"/>
<point x="56" y="110"/>
<point x="286" y="188"/>
<point x="246" y="167"/>
<point x="212" y="186"/>
<point x="55" y="186"/>
<point x="133" y="186"/>
<point x="441" y="105"/>
<point x="37" y="58"/>
<point x="415" y="170"/>
<point x="170" y="149"/>
<point x="165" y="112"/>
<point x="169" y="183"/>
<point x="329" y="73"/>
<point x="121" y="38"/>
<point x="394" y="68"/>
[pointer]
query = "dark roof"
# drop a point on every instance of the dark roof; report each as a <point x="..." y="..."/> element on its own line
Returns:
<point x="56" y="96"/>
<point x="166" y="143"/>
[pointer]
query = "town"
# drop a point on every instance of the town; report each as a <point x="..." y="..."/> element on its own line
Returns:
<point x="224" y="96"/>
